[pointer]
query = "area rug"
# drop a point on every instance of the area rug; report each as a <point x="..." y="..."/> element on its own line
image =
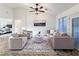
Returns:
<point x="32" y="45"/>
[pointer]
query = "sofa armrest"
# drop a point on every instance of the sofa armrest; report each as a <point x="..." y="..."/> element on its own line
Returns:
<point x="15" y="43"/>
<point x="24" y="41"/>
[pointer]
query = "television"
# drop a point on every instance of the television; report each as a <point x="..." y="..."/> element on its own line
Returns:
<point x="39" y="23"/>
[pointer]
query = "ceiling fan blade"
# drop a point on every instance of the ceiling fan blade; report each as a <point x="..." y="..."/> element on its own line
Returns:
<point x="41" y="11"/>
<point x="32" y="7"/>
<point x="41" y="7"/>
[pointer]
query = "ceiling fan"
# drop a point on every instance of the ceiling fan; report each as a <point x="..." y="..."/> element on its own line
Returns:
<point x="38" y="9"/>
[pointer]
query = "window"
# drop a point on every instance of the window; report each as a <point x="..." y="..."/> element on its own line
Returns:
<point x="62" y="24"/>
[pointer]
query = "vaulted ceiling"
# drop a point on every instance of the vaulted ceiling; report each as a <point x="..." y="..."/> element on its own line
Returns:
<point x="53" y="8"/>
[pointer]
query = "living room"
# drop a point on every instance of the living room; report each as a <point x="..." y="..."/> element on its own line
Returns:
<point x="39" y="28"/>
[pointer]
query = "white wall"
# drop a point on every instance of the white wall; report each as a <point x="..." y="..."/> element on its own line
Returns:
<point x="20" y="18"/>
<point x="6" y="15"/>
<point x="50" y="22"/>
<point x="70" y="13"/>
<point x="6" y="12"/>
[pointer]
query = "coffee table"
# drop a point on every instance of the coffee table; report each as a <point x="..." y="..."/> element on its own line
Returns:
<point x="38" y="39"/>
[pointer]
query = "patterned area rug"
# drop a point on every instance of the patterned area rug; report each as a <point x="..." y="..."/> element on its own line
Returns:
<point x="34" y="46"/>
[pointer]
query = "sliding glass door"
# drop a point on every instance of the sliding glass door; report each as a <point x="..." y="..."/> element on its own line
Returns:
<point x="75" y="31"/>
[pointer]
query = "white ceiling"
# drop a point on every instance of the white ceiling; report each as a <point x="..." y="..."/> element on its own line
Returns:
<point x="53" y="8"/>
